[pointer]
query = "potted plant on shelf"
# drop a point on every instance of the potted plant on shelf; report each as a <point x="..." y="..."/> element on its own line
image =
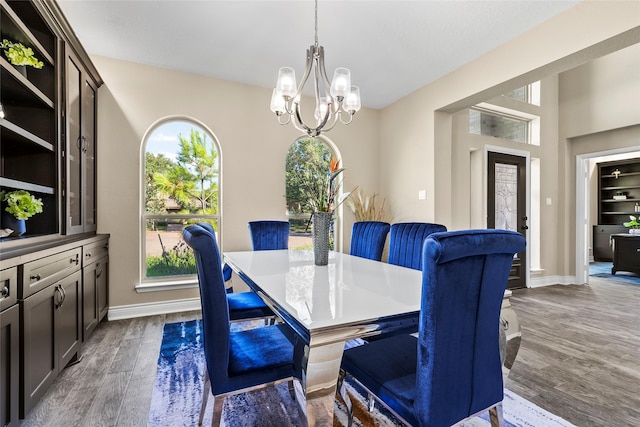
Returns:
<point x="634" y="225"/>
<point x="19" y="55"/>
<point x="17" y="207"/>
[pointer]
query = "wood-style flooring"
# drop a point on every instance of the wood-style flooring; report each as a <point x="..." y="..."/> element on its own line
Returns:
<point x="579" y="359"/>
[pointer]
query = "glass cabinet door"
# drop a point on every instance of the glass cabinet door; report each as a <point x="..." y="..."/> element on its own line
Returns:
<point x="89" y="155"/>
<point x="74" y="150"/>
<point x="81" y="149"/>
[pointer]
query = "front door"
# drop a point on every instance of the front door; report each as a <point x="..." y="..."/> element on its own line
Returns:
<point x="507" y="208"/>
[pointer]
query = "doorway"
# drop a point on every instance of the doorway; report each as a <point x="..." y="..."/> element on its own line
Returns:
<point x="507" y="205"/>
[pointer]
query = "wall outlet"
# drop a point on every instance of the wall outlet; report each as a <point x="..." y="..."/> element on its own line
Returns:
<point x="422" y="194"/>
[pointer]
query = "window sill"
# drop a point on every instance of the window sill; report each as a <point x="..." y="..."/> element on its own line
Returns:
<point x="167" y="285"/>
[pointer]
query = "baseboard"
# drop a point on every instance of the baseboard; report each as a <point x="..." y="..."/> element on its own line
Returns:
<point x="153" y="308"/>
<point x="538" y="282"/>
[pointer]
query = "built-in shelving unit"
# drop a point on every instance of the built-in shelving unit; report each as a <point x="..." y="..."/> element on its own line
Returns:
<point x="619" y="191"/>
<point x="615" y="179"/>
<point x="29" y="130"/>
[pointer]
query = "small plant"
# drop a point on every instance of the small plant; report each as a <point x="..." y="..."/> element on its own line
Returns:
<point x="19" y="54"/>
<point x="633" y="223"/>
<point x="21" y="204"/>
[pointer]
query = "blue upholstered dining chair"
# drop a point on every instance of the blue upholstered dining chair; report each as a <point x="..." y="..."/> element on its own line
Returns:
<point x="235" y="361"/>
<point x="267" y="235"/>
<point x="242" y="305"/>
<point x="368" y="239"/>
<point x="405" y="242"/>
<point x="452" y="371"/>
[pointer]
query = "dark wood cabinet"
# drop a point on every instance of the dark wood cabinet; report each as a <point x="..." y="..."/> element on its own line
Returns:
<point x="48" y="147"/>
<point x="9" y="348"/>
<point x="602" y="242"/>
<point x="618" y="191"/>
<point x="48" y="132"/>
<point x="618" y="195"/>
<point x="52" y="336"/>
<point x="95" y="289"/>
<point x="626" y="253"/>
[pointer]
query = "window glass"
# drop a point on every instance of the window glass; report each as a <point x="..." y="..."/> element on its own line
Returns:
<point x="306" y="172"/>
<point x="498" y="126"/>
<point x="181" y="174"/>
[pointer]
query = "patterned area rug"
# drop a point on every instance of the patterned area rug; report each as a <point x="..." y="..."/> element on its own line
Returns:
<point x="603" y="270"/>
<point x="178" y="388"/>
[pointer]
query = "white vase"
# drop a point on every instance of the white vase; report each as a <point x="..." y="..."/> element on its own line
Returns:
<point x="634" y="231"/>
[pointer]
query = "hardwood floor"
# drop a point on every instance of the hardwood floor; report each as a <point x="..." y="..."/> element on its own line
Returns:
<point x="579" y="359"/>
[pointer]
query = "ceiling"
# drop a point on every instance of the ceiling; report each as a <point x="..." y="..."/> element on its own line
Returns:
<point x="391" y="47"/>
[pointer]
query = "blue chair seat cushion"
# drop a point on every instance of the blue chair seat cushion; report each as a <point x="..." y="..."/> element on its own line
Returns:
<point x="259" y="353"/>
<point x="387" y="368"/>
<point x="247" y="305"/>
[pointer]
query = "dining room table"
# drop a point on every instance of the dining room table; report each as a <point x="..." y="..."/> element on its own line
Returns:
<point x="326" y="306"/>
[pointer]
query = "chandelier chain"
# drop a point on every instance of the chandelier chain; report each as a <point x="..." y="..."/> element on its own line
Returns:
<point x="316" y="22"/>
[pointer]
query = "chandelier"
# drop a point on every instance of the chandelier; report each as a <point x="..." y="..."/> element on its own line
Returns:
<point x="339" y="100"/>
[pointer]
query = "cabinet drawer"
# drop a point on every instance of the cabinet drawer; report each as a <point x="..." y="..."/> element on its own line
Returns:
<point x="8" y="287"/>
<point x="39" y="274"/>
<point x="94" y="251"/>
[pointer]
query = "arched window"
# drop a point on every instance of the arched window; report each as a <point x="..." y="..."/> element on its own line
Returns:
<point x="181" y="180"/>
<point x="306" y="174"/>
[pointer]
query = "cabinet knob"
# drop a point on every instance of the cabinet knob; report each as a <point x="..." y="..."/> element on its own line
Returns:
<point x="35" y="277"/>
<point x="4" y="292"/>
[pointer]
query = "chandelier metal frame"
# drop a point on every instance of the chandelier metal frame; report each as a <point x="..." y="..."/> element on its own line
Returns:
<point x="339" y="96"/>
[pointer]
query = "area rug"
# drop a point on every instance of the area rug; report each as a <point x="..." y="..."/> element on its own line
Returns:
<point x="177" y="395"/>
<point x="603" y="270"/>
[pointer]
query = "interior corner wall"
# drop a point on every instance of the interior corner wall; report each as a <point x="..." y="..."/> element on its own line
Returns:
<point x="253" y="152"/>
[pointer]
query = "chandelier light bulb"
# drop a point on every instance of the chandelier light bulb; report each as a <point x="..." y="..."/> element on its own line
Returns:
<point x="352" y="100"/>
<point x="277" y="102"/>
<point x="341" y="82"/>
<point x="286" y="84"/>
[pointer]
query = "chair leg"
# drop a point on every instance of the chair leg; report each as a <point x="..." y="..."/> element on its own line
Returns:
<point x="495" y="415"/>
<point x="217" y="411"/>
<point x="371" y="400"/>
<point x="292" y="390"/>
<point x="205" y="395"/>
<point x="342" y="388"/>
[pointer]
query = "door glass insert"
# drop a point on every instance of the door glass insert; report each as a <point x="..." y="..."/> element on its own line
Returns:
<point x="506" y="193"/>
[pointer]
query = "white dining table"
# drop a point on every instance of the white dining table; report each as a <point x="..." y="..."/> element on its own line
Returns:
<point x="326" y="306"/>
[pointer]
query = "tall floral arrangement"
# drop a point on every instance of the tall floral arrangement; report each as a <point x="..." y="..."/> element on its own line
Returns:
<point x="368" y="207"/>
<point x="328" y="200"/>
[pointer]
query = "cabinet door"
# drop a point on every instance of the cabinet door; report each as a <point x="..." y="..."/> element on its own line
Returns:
<point x="74" y="145"/>
<point x="9" y="366"/>
<point x="102" y="288"/>
<point x="81" y="149"/>
<point x="68" y="323"/>
<point x="39" y="355"/>
<point x="89" y="155"/>
<point x="90" y="314"/>
<point x="51" y="336"/>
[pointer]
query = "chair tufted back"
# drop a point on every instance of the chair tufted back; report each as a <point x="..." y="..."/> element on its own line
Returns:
<point x="368" y="239"/>
<point x="213" y="299"/>
<point x="465" y="274"/>
<point x="405" y="242"/>
<point x="269" y="235"/>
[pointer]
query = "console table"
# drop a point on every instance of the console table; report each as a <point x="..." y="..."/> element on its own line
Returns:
<point x="626" y="253"/>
